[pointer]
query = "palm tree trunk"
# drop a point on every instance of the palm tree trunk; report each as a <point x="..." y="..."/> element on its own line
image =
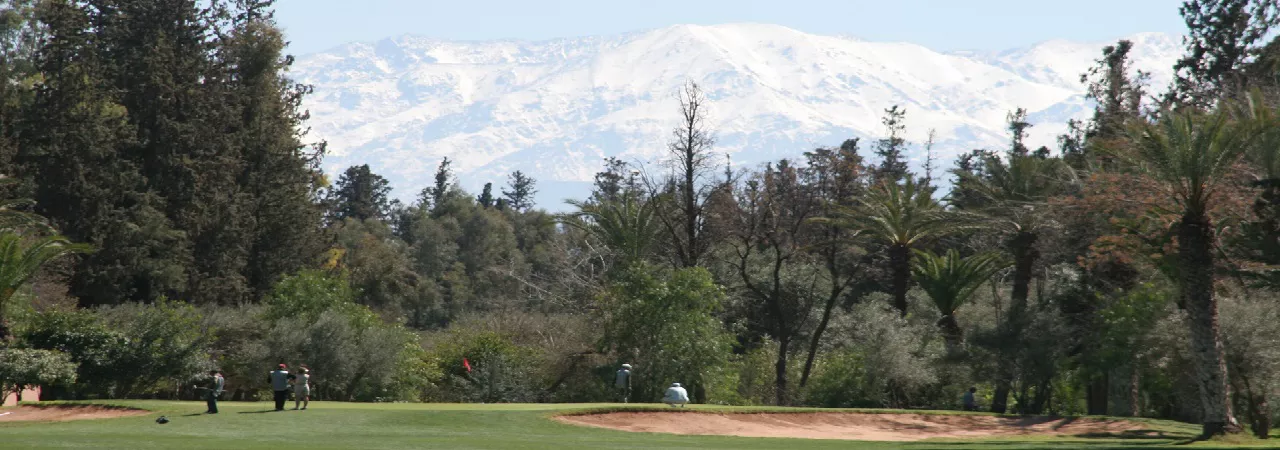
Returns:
<point x="1024" y="261"/>
<point x="952" y="333"/>
<point x="900" y="265"/>
<point x="1195" y="244"/>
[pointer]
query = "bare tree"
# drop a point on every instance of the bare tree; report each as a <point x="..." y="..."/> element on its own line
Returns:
<point x="687" y="188"/>
<point x="769" y="240"/>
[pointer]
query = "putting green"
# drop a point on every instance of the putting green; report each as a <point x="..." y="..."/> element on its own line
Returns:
<point x="328" y="425"/>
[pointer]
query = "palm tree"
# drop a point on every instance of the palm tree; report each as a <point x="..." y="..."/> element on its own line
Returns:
<point x="1190" y="154"/>
<point x="627" y="226"/>
<point x="1013" y="194"/>
<point x="20" y="260"/>
<point x="950" y="281"/>
<point x="899" y="216"/>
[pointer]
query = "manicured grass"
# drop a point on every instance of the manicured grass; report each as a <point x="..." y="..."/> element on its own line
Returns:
<point x="328" y="425"/>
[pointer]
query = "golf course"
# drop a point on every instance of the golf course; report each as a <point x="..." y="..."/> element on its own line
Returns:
<point x="329" y="425"/>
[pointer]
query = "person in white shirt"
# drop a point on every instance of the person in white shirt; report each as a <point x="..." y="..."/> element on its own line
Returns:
<point x="676" y="395"/>
<point x="622" y="381"/>
<point x="302" y="388"/>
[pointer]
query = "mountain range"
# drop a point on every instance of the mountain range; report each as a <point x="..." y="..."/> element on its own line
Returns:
<point x="556" y="108"/>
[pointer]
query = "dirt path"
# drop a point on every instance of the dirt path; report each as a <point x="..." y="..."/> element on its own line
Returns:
<point x="62" y="413"/>
<point x="863" y="427"/>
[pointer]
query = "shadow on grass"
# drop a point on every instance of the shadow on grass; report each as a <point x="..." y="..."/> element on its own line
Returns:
<point x="1133" y="434"/>
<point x="259" y="412"/>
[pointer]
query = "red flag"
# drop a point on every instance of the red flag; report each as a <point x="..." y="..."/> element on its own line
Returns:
<point x="466" y="364"/>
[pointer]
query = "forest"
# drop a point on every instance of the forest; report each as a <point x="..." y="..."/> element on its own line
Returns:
<point x="164" y="213"/>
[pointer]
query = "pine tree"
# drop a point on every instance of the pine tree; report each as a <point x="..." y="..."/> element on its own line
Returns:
<point x="87" y="186"/>
<point x="1018" y="126"/>
<point x="486" y="196"/>
<point x="892" y="168"/>
<point x="1222" y="36"/>
<point x="444" y="183"/>
<point x="279" y="173"/>
<point x="520" y="197"/>
<point x="359" y="194"/>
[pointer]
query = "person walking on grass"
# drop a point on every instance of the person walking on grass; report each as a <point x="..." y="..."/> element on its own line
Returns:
<point x="279" y="380"/>
<point x="216" y="382"/>
<point x="302" y="388"/>
<point x="970" y="402"/>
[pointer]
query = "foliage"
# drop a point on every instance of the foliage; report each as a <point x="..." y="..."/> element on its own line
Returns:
<point x="662" y="322"/>
<point x="22" y="368"/>
<point x="20" y="260"/>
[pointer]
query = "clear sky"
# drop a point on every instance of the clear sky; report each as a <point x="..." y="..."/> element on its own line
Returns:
<point x="945" y="25"/>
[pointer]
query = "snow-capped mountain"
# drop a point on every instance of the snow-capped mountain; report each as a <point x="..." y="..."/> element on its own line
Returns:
<point x="555" y="109"/>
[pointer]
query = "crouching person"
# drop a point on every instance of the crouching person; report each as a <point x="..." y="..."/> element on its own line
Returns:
<point x="676" y="395"/>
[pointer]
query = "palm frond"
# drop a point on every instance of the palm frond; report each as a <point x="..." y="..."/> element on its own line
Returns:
<point x="627" y="226"/>
<point x="1190" y="153"/>
<point x="20" y="260"/>
<point x="950" y="280"/>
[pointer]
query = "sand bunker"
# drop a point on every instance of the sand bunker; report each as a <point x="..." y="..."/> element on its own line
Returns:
<point x="863" y="427"/>
<point x="62" y="413"/>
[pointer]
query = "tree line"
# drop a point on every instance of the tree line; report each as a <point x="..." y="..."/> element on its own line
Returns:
<point x="1129" y="271"/>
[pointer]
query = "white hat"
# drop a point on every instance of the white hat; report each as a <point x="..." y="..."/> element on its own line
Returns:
<point x="675" y="384"/>
<point x="626" y="366"/>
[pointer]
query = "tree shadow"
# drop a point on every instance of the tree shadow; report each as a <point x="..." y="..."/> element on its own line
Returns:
<point x="1132" y="434"/>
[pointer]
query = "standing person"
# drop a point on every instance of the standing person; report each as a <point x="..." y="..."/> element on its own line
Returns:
<point x="970" y="402"/>
<point x="622" y="381"/>
<point x="302" y="388"/>
<point x="216" y="382"/>
<point x="676" y="395"/>
<point x="279" y="380"/>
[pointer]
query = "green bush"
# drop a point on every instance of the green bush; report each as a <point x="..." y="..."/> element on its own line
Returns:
<point x="663" y="322"/>
<point x="501" y="371"/>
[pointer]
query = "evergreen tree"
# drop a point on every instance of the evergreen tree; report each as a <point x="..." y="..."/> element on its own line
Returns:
<point x="359" y="194"/>
<point x="892" y="168"/>
<point x="19" y="39"/>
<point x="1018" y="126"/>
<point x="1222" y="36"/>
<point x="279" y="173"/>
<point x="486" y="196"/>
<point x="520" y="197"/>
<point x="86" y="184"/>
<point x="444" y="182"/>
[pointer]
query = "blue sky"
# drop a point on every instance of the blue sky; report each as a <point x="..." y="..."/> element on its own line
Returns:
<point x="316" y="25"/>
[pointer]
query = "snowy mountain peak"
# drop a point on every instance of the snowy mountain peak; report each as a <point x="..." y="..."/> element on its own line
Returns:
<point x="556" y="108"/>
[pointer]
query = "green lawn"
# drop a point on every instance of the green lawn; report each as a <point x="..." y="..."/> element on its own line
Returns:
<point x="329" y="425"/>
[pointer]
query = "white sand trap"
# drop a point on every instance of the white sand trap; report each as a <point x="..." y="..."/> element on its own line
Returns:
<point x="62" y="413"/>
<point x="853" y="426"/>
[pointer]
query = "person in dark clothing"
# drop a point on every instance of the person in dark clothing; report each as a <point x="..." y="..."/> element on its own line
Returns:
<point x="970" y="400"/>
<point x="279" y="380"/>
<point x="216" y="383"/>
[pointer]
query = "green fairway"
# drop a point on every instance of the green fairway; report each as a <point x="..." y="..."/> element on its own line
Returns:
<point x="454" y="426"/>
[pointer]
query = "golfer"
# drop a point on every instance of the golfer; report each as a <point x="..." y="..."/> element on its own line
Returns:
<point x="279" y="380"/>
<point x="302" y="388"/>
<point x="969" y="400"/>
<point x="216" y="382"/>
<point x="676" y="395"/>
<point x="622" y="381"/>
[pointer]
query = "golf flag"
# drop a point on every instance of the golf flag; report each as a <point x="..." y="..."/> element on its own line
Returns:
<point x="466" y="364"/>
